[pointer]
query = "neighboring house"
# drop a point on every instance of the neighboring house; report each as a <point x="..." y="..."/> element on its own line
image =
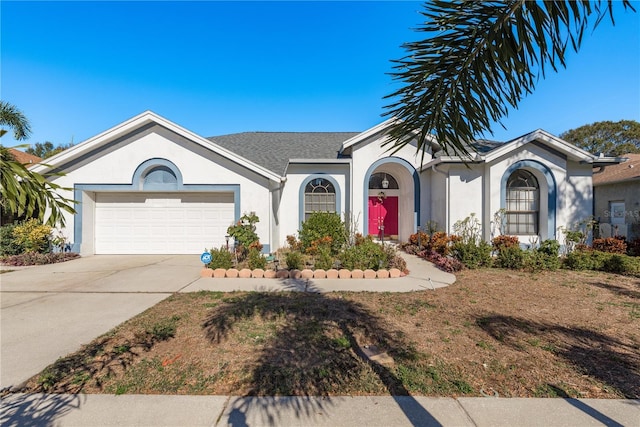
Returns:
<point x="24" y="158"/>
<point x="151" y="186"/>
<point x="616" y="198"/>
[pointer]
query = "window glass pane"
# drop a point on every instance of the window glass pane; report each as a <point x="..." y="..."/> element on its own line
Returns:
<point x="319" y="197"/>
<point x="522" y="203"/>
<point x="376" y="181"/>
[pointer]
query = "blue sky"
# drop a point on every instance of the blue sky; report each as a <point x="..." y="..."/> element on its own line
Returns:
<point x="78" y="68"/>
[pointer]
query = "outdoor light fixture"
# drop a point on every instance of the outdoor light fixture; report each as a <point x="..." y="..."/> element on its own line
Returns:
<point x="227" y="239"/>
<point x="385" y="182"/>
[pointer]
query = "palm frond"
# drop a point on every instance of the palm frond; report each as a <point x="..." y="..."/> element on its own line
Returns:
<point x="479" y="60"/>
<point x="13" y="118"/>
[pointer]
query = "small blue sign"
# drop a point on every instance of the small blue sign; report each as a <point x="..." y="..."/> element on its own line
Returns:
<point x="205" y="257"/>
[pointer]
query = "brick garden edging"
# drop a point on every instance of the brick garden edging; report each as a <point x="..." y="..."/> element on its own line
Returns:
<point x="259" y="273"/>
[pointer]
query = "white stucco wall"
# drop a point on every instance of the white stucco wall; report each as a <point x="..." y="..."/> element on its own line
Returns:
<point x="198" y="165"/>
<point x="465" y="192"/>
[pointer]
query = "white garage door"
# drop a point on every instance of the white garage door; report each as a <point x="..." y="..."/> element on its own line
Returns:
<point x="161" y="223"/>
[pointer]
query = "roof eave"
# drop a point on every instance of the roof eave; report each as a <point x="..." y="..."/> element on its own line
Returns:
<point x="607" y="161"/>
<point x="368" y="133"/>
<point x="570" y="150"/>
<point x="141" y="120"/>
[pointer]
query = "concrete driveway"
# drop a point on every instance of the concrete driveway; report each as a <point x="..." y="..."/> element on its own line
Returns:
<point x="47" y="312"/>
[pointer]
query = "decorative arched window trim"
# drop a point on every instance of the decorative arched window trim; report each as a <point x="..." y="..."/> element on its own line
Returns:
<point x="149" y="166"/>
<point x="302" y="198"/>
<point x="552" y="191"/>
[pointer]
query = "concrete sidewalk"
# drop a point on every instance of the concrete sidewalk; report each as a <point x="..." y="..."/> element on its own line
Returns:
<point x="138" y="410"/>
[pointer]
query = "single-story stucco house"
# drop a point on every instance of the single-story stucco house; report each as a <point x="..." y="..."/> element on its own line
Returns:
<point x="616" y="198"/>
<point x="149" y="186"/>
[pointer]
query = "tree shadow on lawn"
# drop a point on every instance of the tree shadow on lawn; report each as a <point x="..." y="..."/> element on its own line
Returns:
<point x="607" y="359"/>
<point x="315" y="351"/>
<point x="619" y="290"/>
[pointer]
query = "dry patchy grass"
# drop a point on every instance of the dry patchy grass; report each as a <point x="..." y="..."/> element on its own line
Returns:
<point x="493" y="332"/>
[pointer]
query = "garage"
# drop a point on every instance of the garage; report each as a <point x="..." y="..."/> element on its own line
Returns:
<point x="161" y="223"/>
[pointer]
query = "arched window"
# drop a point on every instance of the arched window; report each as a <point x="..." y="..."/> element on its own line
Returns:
<point x="160" y="176"/>
<point x="382" y="181"/>
<point x="522" y="203"/>
<point x="319" y="196"/>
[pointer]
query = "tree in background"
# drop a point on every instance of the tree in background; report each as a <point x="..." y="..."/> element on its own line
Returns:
<point x="480" y="58"/>
<point x="24" y="193"/>
<point x="610" y="138"/>
<point x="46" y="149"/>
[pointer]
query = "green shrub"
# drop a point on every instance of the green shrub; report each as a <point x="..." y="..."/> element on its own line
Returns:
<point x="602" y="261"/>
<point x="622" y="264"/>
<point x="323" y="224"/>
<point x="323" y="258"/>
<point x="550" y="247"/>
<point x="294" y="260"/>
<point x="244" y="233"/>
<point x="546" y="257"/>
<point x="473" y="255"/>
<point x="256" y="259"/>
<point x="537" y="260"/>
<point x="585" y="260"/>
<point x="33" y="236"/>
<point x="364" y="255"/>
<point x="510" y="257"/>
<point x="220" y="258"/>
<point x="8" y="244"/>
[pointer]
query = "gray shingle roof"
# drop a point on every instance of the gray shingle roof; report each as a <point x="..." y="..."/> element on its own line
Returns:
<point x="272" y="150"/>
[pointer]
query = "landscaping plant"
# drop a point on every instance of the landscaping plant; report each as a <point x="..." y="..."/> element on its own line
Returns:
<point x="320" y="225"/>
<point x="294" y="260"/>
<point x="33" y="236"/>
<point x="256" y="259"/>
<point x="8" y="243"/>
<point x="220" y="258"/>
<point x="612" y="245"/>
<point x="244" y="234"/>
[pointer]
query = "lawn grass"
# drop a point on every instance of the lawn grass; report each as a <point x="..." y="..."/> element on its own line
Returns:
<point x="494" y="332"/>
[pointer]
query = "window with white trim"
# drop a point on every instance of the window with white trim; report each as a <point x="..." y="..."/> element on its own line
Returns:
<point x="319" y="196"/>
<point x="522" y="203"/>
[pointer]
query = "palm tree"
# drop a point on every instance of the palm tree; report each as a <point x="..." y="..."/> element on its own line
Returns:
<point x="12" y="117"/>
<point x="23" y="192"/>
<point x="480" y="59"/>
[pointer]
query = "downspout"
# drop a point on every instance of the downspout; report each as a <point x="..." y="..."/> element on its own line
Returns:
<point x="448" y="194"/>
<point x="272" y="225"/>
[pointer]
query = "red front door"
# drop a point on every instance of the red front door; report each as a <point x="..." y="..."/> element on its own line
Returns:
<point x="383" y="213"/>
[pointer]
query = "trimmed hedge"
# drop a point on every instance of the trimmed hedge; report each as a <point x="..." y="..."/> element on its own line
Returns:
<point x="603" y="261"/>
